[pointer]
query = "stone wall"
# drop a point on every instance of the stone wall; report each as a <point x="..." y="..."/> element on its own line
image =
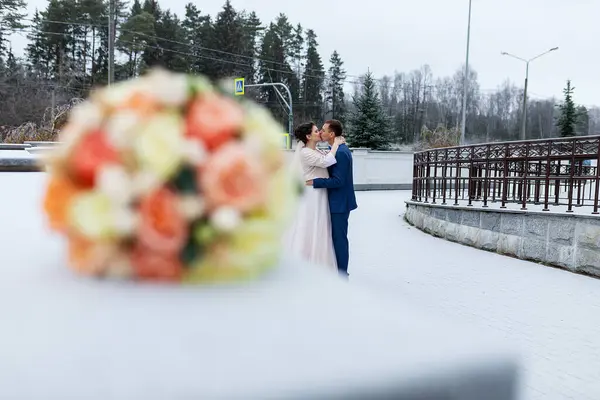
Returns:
<point x="379" y="170"/>
<point x="373" y="170"/>
<point x="564" y="240"/>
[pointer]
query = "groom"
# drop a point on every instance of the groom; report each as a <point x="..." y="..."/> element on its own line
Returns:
<point x="340" y="188"/>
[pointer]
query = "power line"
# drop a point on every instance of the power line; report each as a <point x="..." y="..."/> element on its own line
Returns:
<point x="389" y="85"/>
<point x="357" y="79"/>
<point x="313" y="70"/>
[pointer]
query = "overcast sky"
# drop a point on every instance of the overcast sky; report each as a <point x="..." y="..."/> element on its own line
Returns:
<point x="390" y="35"/>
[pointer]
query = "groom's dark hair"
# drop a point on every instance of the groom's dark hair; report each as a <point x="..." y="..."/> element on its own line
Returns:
<point x="335" y="126"/>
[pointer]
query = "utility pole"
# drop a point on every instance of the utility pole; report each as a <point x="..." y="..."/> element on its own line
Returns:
<point x="524" y="121"/>
<point x="466" y="82"/>
<point x="111" y="41"/>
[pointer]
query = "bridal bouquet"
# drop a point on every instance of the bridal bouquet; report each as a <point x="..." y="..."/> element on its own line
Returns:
<point x="168" y="178"/>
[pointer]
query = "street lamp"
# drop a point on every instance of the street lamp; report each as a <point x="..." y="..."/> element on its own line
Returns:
<point x="524" y="124"/>
<point x="465" y="82"/>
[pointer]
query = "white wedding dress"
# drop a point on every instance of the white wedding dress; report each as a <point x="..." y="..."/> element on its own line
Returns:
<point x="309" y="236"/>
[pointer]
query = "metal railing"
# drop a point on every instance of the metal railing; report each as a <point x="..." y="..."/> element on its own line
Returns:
<point x="546" y="172"/>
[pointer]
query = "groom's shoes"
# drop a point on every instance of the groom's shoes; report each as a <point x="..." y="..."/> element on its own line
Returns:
<point x="344" y="274"/>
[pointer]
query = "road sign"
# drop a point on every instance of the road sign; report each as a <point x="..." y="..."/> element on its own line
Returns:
<point x="239" y="86"/>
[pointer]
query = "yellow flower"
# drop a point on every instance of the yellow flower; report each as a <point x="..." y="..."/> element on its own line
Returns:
<point x="158" y="145"/>
<point x="262" y="135"/>
<point x="282" y="198"/>
<point x="95" y="216"/>
<point x="200" y="84"/>
<point x="251" y="249"/>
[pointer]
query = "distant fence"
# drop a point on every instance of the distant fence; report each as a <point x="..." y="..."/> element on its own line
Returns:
<point x="562" y="171"/>
<point x="373" y="170"/>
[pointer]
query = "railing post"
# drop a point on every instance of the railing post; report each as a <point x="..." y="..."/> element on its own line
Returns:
<point x="557" y="184"/>
<point x="505" y="178"/>
<point x="435" y="168"/>
<point x="597" y="181"/>
<point x="571" y="180"/>
<point x="471" y="190"/>
<point x="538" y="183"/>
<point x="444" y="177"/>
<point x="427" y="173"/>
<point x="487" y="175"/>
<point x="457" y="177"/>
<point x="579" y="174"/>
<point x="547" y="182"/>
<point x="524" y="191"/>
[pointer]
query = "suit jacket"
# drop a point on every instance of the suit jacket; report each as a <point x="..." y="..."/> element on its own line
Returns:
<point x="340" y="184"/>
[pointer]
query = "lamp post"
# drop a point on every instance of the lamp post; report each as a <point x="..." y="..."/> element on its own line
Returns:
<point x="465" y="82"/>
<point x="524" y="122"/>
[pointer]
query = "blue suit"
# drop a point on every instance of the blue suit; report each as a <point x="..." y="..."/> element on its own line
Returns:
<point x="342" y="200"/>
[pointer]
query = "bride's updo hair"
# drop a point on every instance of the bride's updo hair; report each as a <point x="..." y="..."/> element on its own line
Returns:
<point x="303" y="131"/>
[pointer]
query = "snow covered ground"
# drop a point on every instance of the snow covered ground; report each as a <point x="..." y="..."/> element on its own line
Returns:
<point x="553" y="316"/>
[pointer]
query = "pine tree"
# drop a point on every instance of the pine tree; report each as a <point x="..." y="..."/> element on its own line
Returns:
<point x="152" y="52"/>
<point x="568" y="113"/>
<point x="37" y="53"/>
<point x="91" y="16"/>
<point x="583" y="121"/>
<point x="228" y="39"/>
<point x="273" y="67"/>
<point x="133" y="38"/>
<point x="173" y="53"/>
<point x="313" y="80"/>
<point x="296" y="50"/>
<point x="12" y="13"/>
<point x="200" y="36"/>
<point x="369" y="126"/>
<point x="251" y="31"/>
<point x="335" y="88"/>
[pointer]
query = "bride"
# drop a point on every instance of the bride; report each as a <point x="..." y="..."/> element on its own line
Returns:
<point x="309" y="237"/>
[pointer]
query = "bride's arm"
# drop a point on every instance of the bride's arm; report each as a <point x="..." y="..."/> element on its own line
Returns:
<point x="317" y="159"/>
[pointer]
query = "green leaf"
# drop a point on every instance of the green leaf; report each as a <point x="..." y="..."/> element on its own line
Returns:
<point x="190" y="252"/>
<point x="185" y="181"/>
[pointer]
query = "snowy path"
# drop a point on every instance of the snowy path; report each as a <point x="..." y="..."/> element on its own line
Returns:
<point x="553" y="316"/>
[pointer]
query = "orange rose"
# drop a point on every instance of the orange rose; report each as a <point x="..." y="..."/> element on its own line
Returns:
<point x="214" y="120"/>
<point x="57" y="199"/>
<point x="91" y="153"/>
<point x="89" y="257"/>
<point x="162" y="227"/>
<point x="142" y="104"/>
<point x="232" y="177"/>
<point x="150" y="265"/>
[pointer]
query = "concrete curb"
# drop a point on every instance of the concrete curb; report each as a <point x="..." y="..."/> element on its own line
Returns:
<point x="562" y="241"/>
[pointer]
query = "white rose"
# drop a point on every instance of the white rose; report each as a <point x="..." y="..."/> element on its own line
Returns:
<point x="86" y="115"/>
<point x="194" y="152"/>
<point x="191" y="206"/>
<point x="226" y="219"/>
<point x="114" y="182"/>
<point x="120" y="128"/>
<point x="167" y="88"/>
